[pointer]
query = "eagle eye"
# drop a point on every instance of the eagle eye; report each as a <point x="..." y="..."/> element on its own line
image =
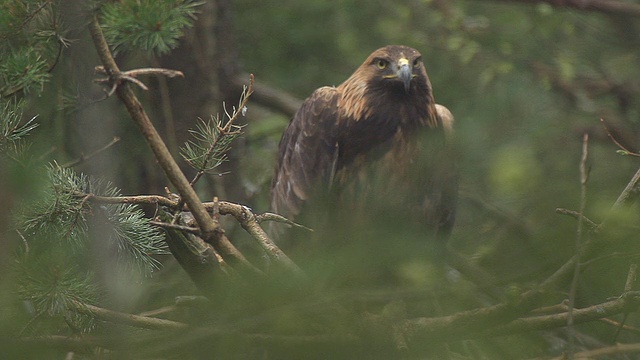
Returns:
<point x="382" y="64"/>
<point x="416" y="62"/>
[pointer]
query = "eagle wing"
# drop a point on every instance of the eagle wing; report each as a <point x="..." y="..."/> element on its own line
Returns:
<point x="307" y="154"/>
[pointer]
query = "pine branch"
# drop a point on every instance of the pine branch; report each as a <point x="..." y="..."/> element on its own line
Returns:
<point x="249" y="221"/>
<point x="212" y="139"/>
<point x="150" y="26"/>
<point x="210" y="230"/>
<point x="62" y="215"/>
<point x="12" y="130"/>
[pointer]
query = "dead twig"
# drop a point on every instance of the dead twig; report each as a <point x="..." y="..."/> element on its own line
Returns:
<point x="628" y="287"/>
<point x="584" y="178"/>
<point x="578" y="216"/>
<point x="623" y="150"/>
<point x="83" y="158"/>
<point x="279" y="218"/>
<point x="183" y="228"/>
<point x="248" y="221"/>
<point x="144" y="322"/>
<point x="116" y="79"/>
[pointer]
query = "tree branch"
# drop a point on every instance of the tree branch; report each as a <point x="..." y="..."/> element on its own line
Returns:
<point x="248" y="221"/>
<point x="127" y="319"/>
<point x="474" y="324"/>
<point x="611" y="7"/>
<point x="573" y="288"/>
<point x="244" y="215"/>
<point x="210" y="230"/>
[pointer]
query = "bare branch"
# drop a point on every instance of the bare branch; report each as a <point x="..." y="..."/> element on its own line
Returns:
<point x="84" y="157"/>
<point x="127" y="319"/>
<point x="629" y="193"/>
<point x="187" y="229"/>
<point x="573" y="288"/>
<point x="616" y="349"/>
<point x="131" y="75"/>
<point x="612" y="7"/>
<point x="279" y="218"/>
<point x="623" y="149"/>
<point x="248" y="221"/>
<point x="576" y="215"/>
<point x="626" y="302"/>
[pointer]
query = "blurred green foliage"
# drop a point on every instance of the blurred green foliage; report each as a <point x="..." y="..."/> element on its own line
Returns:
<point x="523" y="81"/>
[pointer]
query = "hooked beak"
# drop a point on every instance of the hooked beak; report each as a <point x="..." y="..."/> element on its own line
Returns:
<point x="404" y="73"/>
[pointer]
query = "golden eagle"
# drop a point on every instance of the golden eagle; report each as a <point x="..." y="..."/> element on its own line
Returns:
<point x="377" y="139"/>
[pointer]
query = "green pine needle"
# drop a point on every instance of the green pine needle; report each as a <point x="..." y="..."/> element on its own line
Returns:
<point x="208" y="148"/>
<point x="51" y="289"/>
<point x="25" y="70"/>
<point x="11" y="129"/>
<point x="63" y="214"/>
<point x="148" y="25"/>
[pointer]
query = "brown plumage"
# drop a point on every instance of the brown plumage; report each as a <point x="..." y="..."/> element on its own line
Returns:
<point x="378" y="138"/>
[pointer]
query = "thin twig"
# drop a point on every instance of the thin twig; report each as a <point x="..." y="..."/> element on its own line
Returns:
<point x="584" y="178"/>
<point x="627" y="195"/>
<point x="187" y="229"/>
<point x="126" y="319"/>
<point x="131" y="75"/>
<point x="628" y="287"/>
<point x="625" y="327"/>
<point x="578" y="216"/>
<point x="279" y="218"/>
<point x="83" y="158"/>
<point x="247" y="220"/>
<point x="624" y="150"/>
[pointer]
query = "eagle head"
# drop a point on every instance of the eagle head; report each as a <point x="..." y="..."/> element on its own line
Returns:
<point x="397" y="66"/>
<point x="391" y="81"/>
